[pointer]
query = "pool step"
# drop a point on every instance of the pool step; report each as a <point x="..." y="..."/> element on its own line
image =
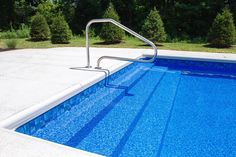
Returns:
<point x="61" y="129"/>
<point x="106" y="135"/>
<point x="83" y="132"/>
<point x="152" y="125"/>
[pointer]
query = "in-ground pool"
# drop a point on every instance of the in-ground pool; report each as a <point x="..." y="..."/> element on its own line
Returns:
<point x="172" y="108"/>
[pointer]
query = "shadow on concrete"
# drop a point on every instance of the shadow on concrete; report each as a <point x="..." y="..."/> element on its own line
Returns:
<point x="6" y="49"/>
<point x="107" y="43"/>
<point x="147" y="45"/>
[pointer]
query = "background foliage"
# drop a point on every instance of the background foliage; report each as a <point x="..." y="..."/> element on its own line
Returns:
<point x="39" y="28"/>
<point x="61" y="33"/>
<point x="183" y="19"/>
<point x="109" y="32"/>
<point x="222" y="32"/>
<point x="153" y="27"/>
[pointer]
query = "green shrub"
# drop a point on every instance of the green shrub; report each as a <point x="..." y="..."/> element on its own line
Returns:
<point x="153" y="27"/>
<point x="109" y="32"/>
<point x="222" y="33"/>
<point x="61" y="33"/>
<point x="8" y="35"/>
<point x="39" y="28"/>
<point x="23" y="32"/>
<point x="11" y="43"/>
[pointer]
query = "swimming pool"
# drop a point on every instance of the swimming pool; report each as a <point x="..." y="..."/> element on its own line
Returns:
<point x="169" y="108"/>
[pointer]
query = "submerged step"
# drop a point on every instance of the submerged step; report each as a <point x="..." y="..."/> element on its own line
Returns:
<point x="66" y="125"/>
<point x="104" y="137"/>
<point x="145" y="138"/>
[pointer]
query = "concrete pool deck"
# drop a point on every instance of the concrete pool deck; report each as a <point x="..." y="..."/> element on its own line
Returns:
<point x="33" y="77"/>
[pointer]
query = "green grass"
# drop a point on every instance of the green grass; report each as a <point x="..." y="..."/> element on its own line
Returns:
<point x="129" y="42"/>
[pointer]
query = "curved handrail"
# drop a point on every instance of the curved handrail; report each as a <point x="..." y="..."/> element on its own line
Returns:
<point x="112" y="57"/>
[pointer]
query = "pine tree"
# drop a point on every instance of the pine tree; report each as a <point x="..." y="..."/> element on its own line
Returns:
<point x="39" y="28"/>
<point x="61" y="33"/>
<point x="153" y="27"/>
<point x="222" y="32"/>
<point x="109" y="32"/>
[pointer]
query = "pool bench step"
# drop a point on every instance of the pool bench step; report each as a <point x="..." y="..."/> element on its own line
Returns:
<point x="153" y="124"/>
<point x="61" y="129"/>
<point x="105" y="136"/>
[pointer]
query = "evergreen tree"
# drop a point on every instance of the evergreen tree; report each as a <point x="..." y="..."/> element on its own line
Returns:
<point x="39" y="28"/>
<point x="61" y="33"/>
<point x="222" y="32"/>
<point x="109" y="32"/>
<point x="153" y="27"/>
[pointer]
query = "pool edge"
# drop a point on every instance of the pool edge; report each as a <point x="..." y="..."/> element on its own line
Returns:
<point x="28" y="114"/>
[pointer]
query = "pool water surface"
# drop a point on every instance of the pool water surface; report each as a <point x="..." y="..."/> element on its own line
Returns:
<point x="170" y="108"/>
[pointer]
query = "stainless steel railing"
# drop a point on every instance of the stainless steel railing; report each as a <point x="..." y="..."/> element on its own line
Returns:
<point x="113" y="57"/>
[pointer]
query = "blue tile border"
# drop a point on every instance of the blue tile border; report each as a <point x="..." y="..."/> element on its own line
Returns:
<point x="207" y="66"/>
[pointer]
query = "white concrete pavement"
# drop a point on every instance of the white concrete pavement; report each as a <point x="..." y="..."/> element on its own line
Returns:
<point x="13" y="144"/>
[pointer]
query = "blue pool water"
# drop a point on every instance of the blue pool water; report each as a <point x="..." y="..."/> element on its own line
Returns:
<point x="172" y="108"/>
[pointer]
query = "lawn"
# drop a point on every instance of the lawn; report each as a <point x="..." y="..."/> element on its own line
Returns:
<point x="129" y="42"/>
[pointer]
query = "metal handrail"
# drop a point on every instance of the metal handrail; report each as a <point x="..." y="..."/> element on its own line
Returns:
<point x="112" y="57"/>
